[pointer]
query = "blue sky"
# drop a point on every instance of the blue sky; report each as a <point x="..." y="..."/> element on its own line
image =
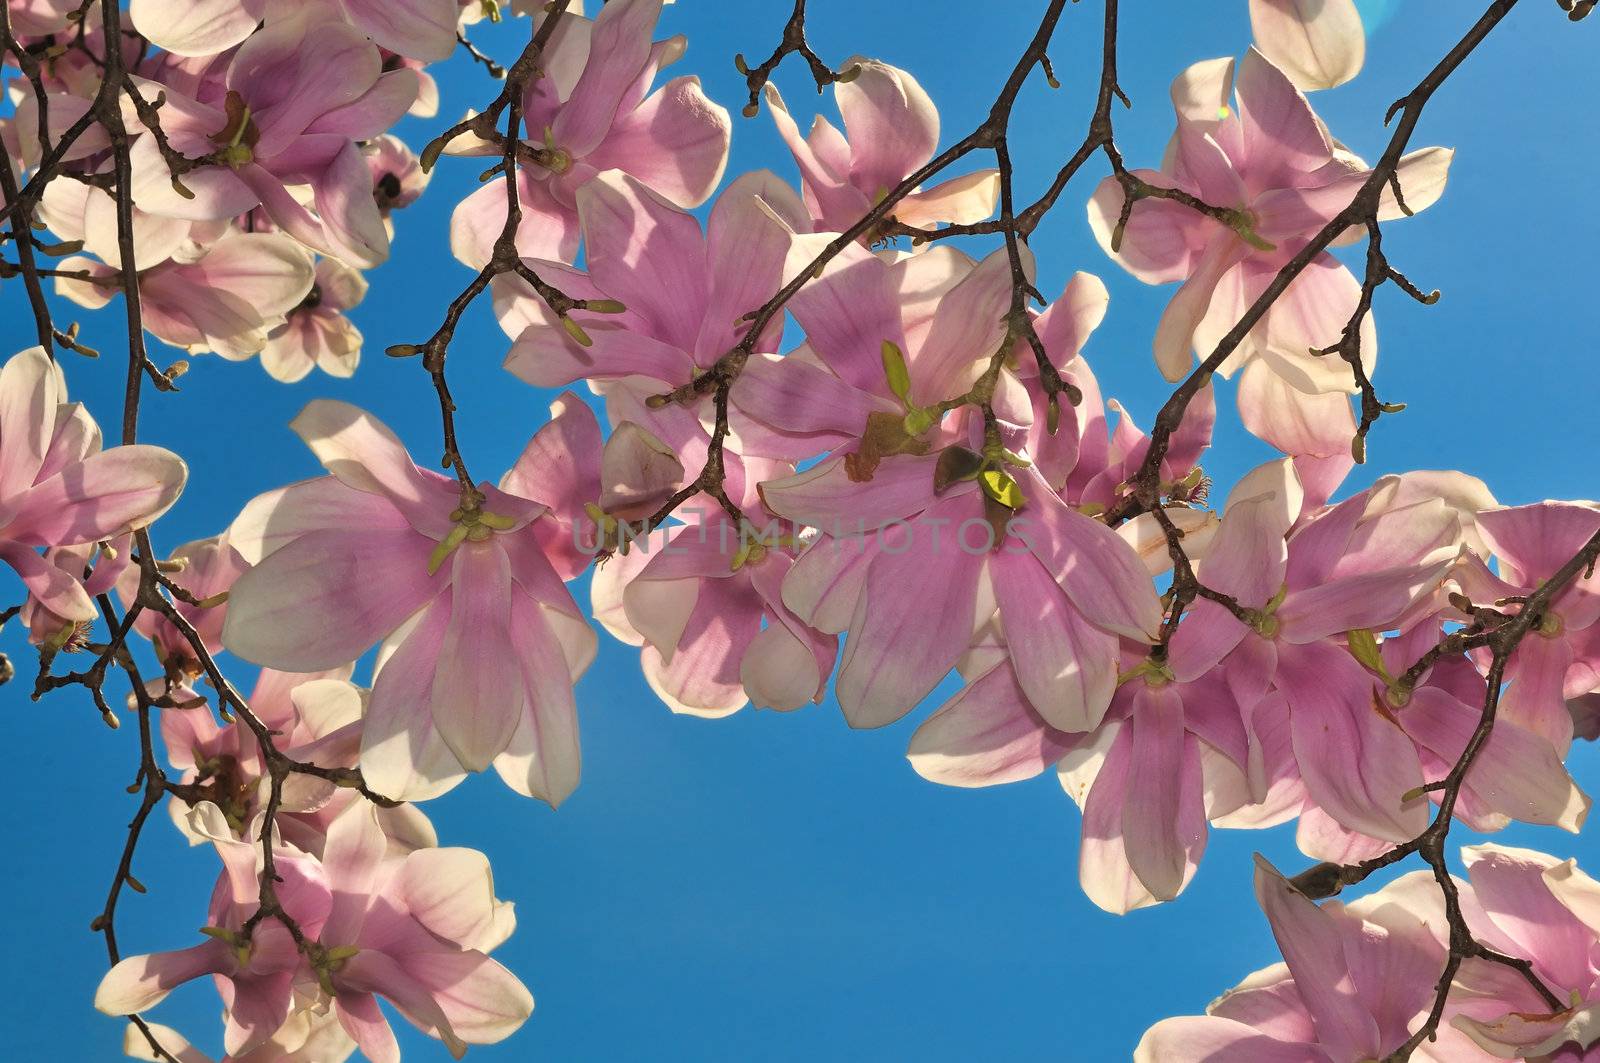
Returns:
<point x="778" y="887"/>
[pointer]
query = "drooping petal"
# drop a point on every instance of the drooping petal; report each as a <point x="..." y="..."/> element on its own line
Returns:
<point x="1099" y="571"/>
<point x="1067" y="667"/>
<point x="891" y="124"/>
<point x="1163" y="823"/>
<point x="402" y="754"/>
<point x="914" y="619"/>
<point x="986" y="734"/>
<point x="478" y="693"/>
<point x="542" y="759"/>
<point x="1313" y="946"/>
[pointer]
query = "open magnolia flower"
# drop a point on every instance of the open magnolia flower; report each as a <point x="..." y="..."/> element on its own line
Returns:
<point x="58" y="488"/>
<point x="412" y="928"/>
<point x="1359" y="979"/>
<point x="593" y="111"/>
<point x="891" y="130"/>
<point x="1249" y="143"/>
<point x="482" y="640"/>
<point x="288" y="111"/>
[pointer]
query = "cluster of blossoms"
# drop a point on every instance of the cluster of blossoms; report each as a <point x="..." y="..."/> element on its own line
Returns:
<point x="904" y="479"/>
<point x="269" y="187"/>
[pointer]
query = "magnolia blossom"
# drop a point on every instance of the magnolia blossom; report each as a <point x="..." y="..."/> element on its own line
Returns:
<point x="1261" y="152"/>
<point x="1560" y="659"/>
<point x="593" y="111"/>
<point x="316" y="719"/>
<point x="1317" y="43"/>
<point x="1357" y="980"/>
<point x="105" y="563"/>
<point x="287" y="111"/>
<point x="316" y="333"/>
<point x="891" y="130"/>
<point x="1360" y="565"/>
<point x="59" y="489"/>
<point x="1360" y="978"/>
<point x="227" y="298"/>
<point x="414" y="929"/>
<point x="255" y="978"/>
<point x="706" y="604"/>
<point x="398" y="178"/>
<point x="914" y="566"/>
<point x="482" y="643"/>
<point x="203" y="286"/>
<point x="1534" y="907"/>
<point x="420" y="29"/>
<point x="678" y="295"/>
<point x="208" y="569"/>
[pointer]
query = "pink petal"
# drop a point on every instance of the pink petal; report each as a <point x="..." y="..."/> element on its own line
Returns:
<point x="1162" y="239"/>
<point x="365" y="1022"/>
<point x="848" y="313"/>
<point x="647" y="253"/>
<point x="450" y="892"/>
<point x="1317" y="43"/>
<point x="542" y="758"/>
<point x="1516" y="773"/>
<point x="822" y="586"/>
<point x="49" y="585"/>
<point x="478" y="692"/>
<point x="1067" y="667"/>
<point x="1175" y="334"/>
<point x="1358" y="764"/>
<point x="272" y="520"/>
<point x="108" y="494"/>
<point x="987" y="734"/>
<point x="483" y="1001"/>
<point x="891" y="124"/>
<point x="962" y="200"/>
<point x="746" y="247"/>
<point x="402" y="753"/>
<point x="966" y="329"/>
<point x="417" y="29"/>
<point x="1210" y="1039"/>
<point x="1512" y="887"/>
<point x="1100" y="572"/>
<point x="675" y="142"/>
<point x="1104" y="870"/>
<point x="1163" y="822"/>
<point x="914" y="619"/>
<point x="361" y="452"/>
<point x="141" y="982"/>
<point x="323" y="600"/>
<point x="1538" y="539"/>
<point x="1534" y="697"/>
<point x="825" y="497"/>
<point x="1312" y="943"/>
<point x="343" y="197"/>
<point x="30" y="390"/>
<point x="204" y="27"/>
<point x="1281" y="133"/>
<point x="619" y="46"/>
